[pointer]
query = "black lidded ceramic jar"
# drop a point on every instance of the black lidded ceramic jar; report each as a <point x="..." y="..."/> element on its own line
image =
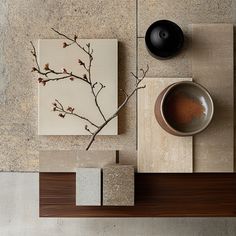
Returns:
<point x="164" y="39"/>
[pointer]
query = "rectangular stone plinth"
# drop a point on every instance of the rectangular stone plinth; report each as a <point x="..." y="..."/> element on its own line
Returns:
<point x="213" y="67"/>
<point x="88" y="187"/>
<point x="118" y="185"/>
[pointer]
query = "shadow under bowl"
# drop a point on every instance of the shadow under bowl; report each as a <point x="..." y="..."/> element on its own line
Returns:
<point x="184" y="108"/>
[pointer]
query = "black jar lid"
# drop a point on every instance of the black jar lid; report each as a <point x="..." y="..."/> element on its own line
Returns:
<point x="164" y="39"/>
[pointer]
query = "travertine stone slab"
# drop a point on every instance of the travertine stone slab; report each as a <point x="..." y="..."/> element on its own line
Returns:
<point x="212" y="66"/>
<point x="88" y="187"/>
<point x="118" y="185"/>
<point x="69" y="161"/>
<point x="159" y="151"/>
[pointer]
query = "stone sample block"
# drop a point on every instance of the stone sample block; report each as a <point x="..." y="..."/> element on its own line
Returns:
<point x="213" y="67"/>
<point x="118" y="185"/>
<point x="159" y="151"/>
<point x="88" y="187"/>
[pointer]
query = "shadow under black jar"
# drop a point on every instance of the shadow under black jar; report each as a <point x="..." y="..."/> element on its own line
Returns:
<point x="164" y="39"/>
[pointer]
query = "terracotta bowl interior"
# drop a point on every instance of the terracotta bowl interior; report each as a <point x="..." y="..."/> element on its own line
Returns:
<point x="187" y="108"/>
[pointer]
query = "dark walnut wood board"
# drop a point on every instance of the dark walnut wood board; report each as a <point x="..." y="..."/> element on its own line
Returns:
<point x="160" y="195"/>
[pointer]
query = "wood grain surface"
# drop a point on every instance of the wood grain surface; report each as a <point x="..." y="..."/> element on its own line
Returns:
<point x="155" y="195"/>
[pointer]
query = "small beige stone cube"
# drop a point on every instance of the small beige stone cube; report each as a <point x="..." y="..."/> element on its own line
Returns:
<point x="118" y="185"/>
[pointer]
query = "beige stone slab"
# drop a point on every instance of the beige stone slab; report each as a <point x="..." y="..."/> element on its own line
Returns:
<point x="212" y="66"/>
<point x="159" y="151"/>
<point x="184" y="12"/>
<point x="128" y="157"/>
<point x="22" y="21"/>
<point x="57" y="161"/>
<point x="70" y="161"/>
<point x="95" y="159"/>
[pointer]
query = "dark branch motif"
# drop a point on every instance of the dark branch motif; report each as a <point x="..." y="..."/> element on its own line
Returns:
<point x="48" y="71"/>
<point x="89" y="52"/>
<point x="49" y="75"/>
<point x="57" y="106"/>
<point x="128" y="96"/>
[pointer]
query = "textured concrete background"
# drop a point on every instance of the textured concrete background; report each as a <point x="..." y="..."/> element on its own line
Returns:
<point x="22" y="21"/>
<point x="25" y="20"/>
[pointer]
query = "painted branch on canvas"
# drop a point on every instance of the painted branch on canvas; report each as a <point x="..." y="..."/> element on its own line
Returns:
<point x="48" y="74"/>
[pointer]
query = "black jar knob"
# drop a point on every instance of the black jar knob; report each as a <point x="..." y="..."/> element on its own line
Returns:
<point x="164" y="39"/>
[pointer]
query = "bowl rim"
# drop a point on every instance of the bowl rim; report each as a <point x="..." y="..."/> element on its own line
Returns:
<point x="180" y="133"/>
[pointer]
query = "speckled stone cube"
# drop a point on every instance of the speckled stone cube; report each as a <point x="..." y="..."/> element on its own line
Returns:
<point x="118" y="185"/>
<point x="88" y="187"/>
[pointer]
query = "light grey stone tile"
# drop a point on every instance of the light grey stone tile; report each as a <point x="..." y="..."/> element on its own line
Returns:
<point x="19" y="208"/>
<point x="183" y="12"/>
<point x="88" y="187"/>
<point x="118" y="185"/>
<point x="22" y="21"/>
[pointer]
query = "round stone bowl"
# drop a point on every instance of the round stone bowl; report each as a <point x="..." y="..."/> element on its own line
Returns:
<point x="184" y="108"/>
